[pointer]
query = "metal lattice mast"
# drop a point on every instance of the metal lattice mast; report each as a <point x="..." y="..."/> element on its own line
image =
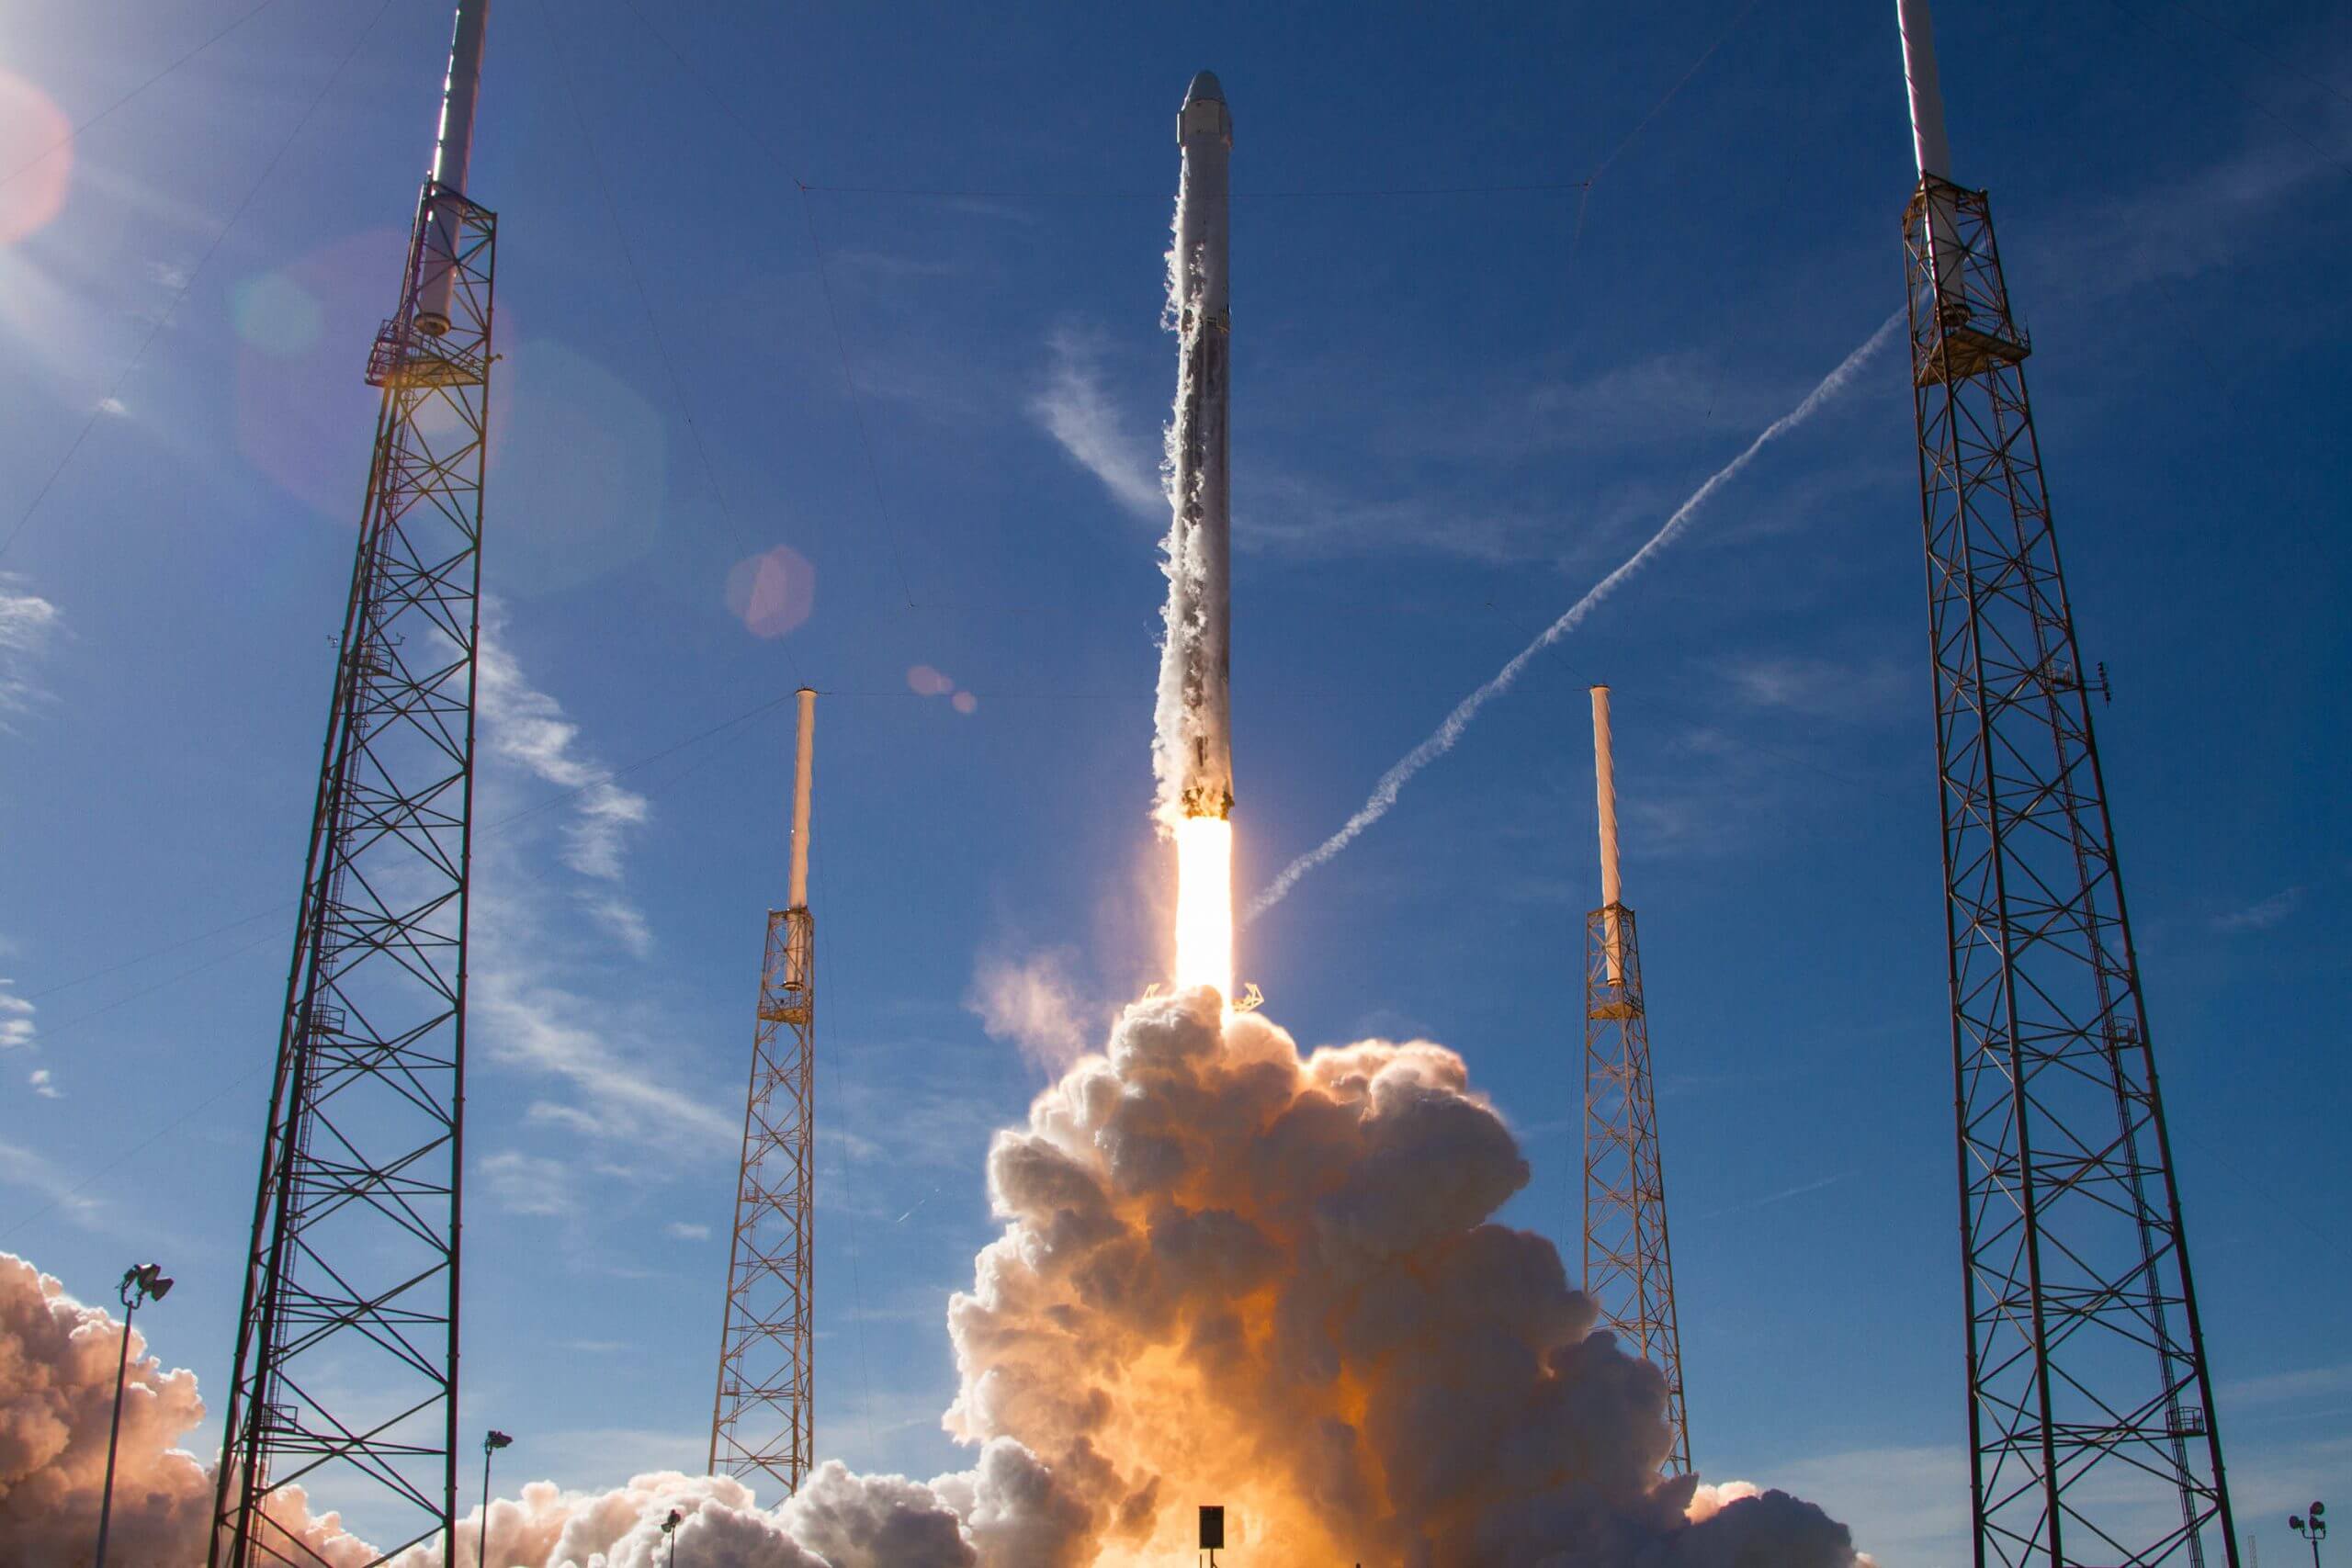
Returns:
<point x="346" y="1380"/>
<point x="1627" y="1269"/>
<point x="763" y="1418"/>
<point x="2090" y="1407"/>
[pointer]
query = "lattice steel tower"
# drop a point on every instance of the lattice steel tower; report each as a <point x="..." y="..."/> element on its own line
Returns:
<point x="2090" y="1408"/>
<point x="345" y="1380"/>
<point x="1627" y="1271"/>
<point x="764" y="1418"/>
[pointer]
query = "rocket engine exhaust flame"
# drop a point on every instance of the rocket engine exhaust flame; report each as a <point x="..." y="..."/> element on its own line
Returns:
<point x="1204" y="905"/>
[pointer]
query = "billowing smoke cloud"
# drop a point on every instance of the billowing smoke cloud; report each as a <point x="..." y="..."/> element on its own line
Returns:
<point x="57" y="1373"/>
<point x="1003" y="1513"/>
<point x="1441" y="739"/>
<point x="1228" y="1273"/>
<point x="1234" y="1275"/>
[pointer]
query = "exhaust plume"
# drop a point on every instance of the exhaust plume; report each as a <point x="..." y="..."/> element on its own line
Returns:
<point x="997" y="1515"/>
<point x="1440" y="742"/>
<point x="57" y="1372"/>
<point x="1229" y="1273"/>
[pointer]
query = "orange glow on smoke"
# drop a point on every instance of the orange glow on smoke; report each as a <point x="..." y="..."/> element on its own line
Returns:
<point x="1204" y="904"/>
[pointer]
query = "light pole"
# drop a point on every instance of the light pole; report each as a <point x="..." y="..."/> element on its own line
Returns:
<point x="670" y="1528"/>
<point x="144" y="1282"/>
<point x="2313" y="1529"/>
<point x="491" y="1444"/>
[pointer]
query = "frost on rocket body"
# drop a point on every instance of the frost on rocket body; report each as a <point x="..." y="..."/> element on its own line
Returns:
<point x="1192" y="755"/>
<point x="1232" y="1274"/>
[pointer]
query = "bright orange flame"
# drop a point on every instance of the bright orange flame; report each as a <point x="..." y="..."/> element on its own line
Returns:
<point x="1204" y="904"/>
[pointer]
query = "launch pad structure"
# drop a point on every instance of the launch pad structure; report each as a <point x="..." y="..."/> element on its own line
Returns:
<point x="763" y="1419"/>
<point x="1627" y="1269"/>
<point x="2091" y="1428"/>
<point x="346" y="1373"/>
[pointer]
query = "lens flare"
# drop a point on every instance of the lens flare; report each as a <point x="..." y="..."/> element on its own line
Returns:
<point x="1204" y="904"/>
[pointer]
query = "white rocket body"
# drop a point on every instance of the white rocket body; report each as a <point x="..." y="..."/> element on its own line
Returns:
<point x="452" y="159"/>
<point x="1195" y="738"/>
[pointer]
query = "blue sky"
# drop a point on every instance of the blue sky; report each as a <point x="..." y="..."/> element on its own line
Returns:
<point x="721" y="468"/>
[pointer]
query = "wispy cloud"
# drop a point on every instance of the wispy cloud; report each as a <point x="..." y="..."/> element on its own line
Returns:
<point x="16" y="1030"/>
<point x="21" y="1166"/>
<point x="540" y="986"/>
<point x="602" y="1054"/>
<point x="2261" y="915"/>
<point x="2182" y="227"/>
<point x="527" y="727"/>
<point x="1078" y="412"/>
<point x="2280" y="1388"/>
<point x="41" y="1084"/>
<point x="1442" y="740"/>
<point x="679" y="1230"/>
<point x="27" y="624"/>
<point x="530" y="1184"/>
<point x="1817" y="687"/>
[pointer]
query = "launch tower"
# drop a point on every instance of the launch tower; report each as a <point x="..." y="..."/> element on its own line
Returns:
<point x="346" y="1375"/>
<point x="2090" y="1409"/>
<point x="762" y="1420"/>
<point x="1626" y="1269"/>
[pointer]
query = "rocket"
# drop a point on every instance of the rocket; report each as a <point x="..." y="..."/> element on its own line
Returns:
<point x="1194" y="761"/>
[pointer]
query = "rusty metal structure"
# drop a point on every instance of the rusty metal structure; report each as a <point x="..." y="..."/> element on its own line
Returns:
<point x="345" y="1374"/>
<point x="2091" y="1407"/>
<point x="1628" y="1271"/>
<point x="763" y="1419"/>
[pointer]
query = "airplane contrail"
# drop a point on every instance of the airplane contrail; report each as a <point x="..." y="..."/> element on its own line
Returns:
<point x="1440" y="742"/>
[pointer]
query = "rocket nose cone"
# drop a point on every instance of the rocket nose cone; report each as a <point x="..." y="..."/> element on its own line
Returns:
<point x="1204" y="89"/>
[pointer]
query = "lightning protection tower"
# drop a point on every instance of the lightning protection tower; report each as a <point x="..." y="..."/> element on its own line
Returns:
<point x="762" y="1420"/>
<point x="346" y="1375"/>
<point x="2091" y="1411"/>
<point x="1627" y="1271"/>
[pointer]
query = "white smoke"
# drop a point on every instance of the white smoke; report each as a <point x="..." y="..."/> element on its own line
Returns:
<point x="1440" y="742"/>
<point x="1003" y="1513"/>
<point x="1034" y="1003"/>
<point x="58" y="1360"/>
<point x="1232" y="1274"/>
<point x="1228" y="1273"/>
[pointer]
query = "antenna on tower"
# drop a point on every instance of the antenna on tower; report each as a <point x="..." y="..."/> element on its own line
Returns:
<point x="763" y="1419"/>
<point x="2090" y="1409"/>
<point x="345" y="1381"/>
<point x="1627" y="1271"/>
